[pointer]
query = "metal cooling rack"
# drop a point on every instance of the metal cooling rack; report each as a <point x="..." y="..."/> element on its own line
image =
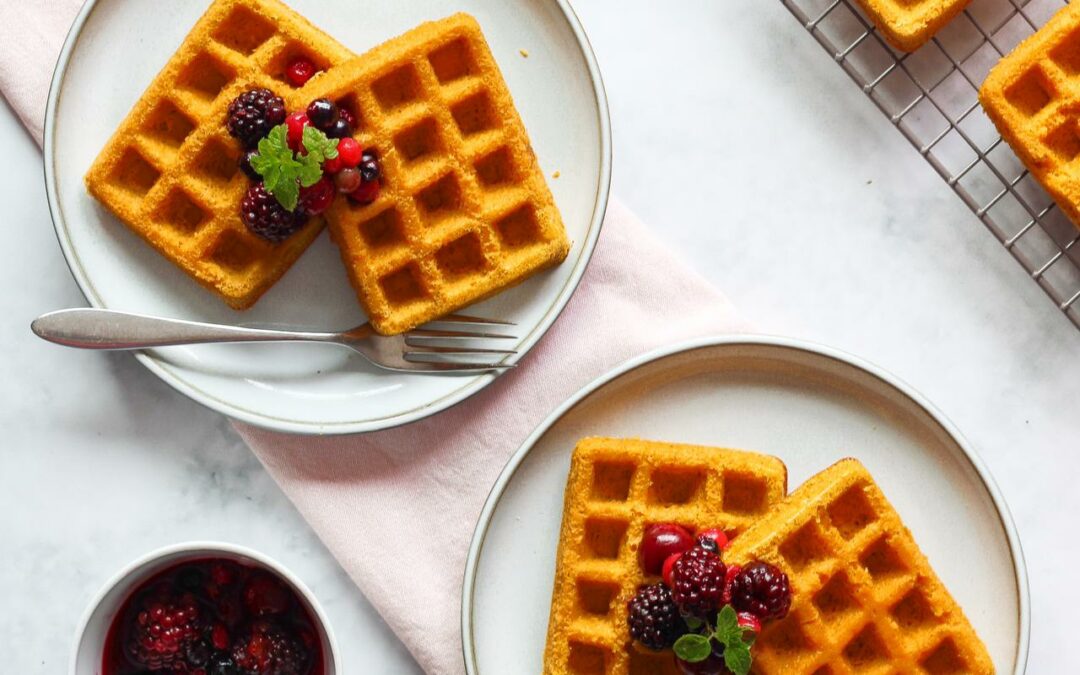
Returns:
<point x="931" y="96"/>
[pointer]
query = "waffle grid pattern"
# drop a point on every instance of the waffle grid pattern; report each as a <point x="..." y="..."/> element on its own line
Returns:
<point x="465" y="211"/>
<point x="931" y="96"/>
<point x="615" y="489"/>
<point x="170" y="171"/>
<point x="865" y="597"/>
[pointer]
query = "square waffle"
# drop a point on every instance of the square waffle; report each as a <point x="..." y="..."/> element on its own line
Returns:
<point x="171" y="173"/>
<point x="1033" y="97"/>
<point x="616" y="488"/>
<point x="908" y="24"/>
<point x="464" y="211"/>
<point x="865" y="597"/>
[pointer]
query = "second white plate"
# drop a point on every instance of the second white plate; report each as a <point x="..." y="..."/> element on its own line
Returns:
<point x="807" y="405"/>
<point x="113" y="52"/>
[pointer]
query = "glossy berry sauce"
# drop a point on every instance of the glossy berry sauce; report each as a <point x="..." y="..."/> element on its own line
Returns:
<point x="218" y="617"/>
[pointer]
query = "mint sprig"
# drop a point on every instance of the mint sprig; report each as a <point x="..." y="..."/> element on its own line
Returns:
<point x="736" y="640"/>
<point x="283" y="171"/>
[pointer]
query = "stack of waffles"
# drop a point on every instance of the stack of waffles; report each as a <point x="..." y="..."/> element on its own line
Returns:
<point x="464" y="212"/>
<point x="865" y="599"/>
<point x="1033" y="97"/>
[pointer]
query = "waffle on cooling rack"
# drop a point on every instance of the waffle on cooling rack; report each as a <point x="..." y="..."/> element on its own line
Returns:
<point x="1034" y="100"/>
<point x="464" y="210"/>
<point x="865" y="597"/>
<point x="170" y="172"/>
<point x="615" y="488"/>
<point x="908" y="24"/>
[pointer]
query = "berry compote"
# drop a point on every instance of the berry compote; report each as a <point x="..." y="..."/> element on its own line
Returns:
<point x="213" y="617"/>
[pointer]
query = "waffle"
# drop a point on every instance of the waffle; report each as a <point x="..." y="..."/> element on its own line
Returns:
<point x="1034" y="100"/>
<point x="908" y="24"/>
<point x="170" y="171"/>
<point x="615" y="488"/>
<point x="464" y="212"/>
<point x="865" y="597"/>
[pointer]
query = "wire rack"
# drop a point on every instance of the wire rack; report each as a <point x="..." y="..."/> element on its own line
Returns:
<point x="931" y="96"/>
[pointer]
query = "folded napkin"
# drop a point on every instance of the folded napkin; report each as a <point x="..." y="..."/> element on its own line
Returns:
<point x="369" y="497"/>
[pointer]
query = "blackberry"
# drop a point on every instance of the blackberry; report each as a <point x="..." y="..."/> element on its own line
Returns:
<point x="253" y="114"/>
<point x="369" y="166"/>
<point x="654" y="618"/>
<point x="697" y="582"/>
<point x="266" y="217"/>
<point x="323" y="113"/>
<point x="163" y="629"/>
<point x="762" y="590"/>
<point x="269" y="650"/>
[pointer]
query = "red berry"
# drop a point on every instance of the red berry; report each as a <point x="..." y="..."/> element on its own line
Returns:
<point x="317" y="198"/>
<point x="748" y="620"/>
<point x="366" y="193"/>
<point x="659" y="542"/>
<point x="264" y="594"/>
<point x="219" y="636"/>
<point x="698" y="582"/>
<point x="348" y="180"/>
<point x="296" y="123"/>
<point x="299" y="72"/>
<point x="668" y="564"/>
<point x="717" y="535"/>
<point x="349" y="152"/>
<point x="729" y="576"/>
<point x="333" y="165"/>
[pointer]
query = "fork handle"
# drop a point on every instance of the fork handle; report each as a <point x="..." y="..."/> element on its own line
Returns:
<point x="111" y="330"/>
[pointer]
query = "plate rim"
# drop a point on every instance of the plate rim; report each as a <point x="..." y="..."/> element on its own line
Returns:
<point x="173" y="375"/>
<point x="498" y="489"/>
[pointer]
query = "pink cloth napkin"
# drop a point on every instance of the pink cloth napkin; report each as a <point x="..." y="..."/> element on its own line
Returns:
<point x="398" y="507"/>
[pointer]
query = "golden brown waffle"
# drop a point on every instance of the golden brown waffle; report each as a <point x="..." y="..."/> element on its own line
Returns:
<point x="1033" y="98"/>
<point x="908" y="24"/>
<point x="616" y="487"/>
<point x="464" y="211"/>
<point x="170" y="171"/>
<point x="865" y="597"/>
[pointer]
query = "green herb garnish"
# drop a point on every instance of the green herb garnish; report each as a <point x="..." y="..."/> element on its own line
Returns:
<point x="283" y="171"/>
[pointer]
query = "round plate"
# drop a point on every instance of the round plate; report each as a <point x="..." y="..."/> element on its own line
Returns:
<point x="808" y="405"/>
<point x="115" y="49"/>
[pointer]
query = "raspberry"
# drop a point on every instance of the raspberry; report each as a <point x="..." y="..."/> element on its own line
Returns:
<point x="163" y="631"/>
<point x="762" y="590"/>
<point x="317" y="198"/>
<point x="729" y="576"/>
<point x="698" y="582"/>
<point x="654" y="618"/>
<point x="253" y="114"/>
<point x="299" y="72"/>
<point x="269" y="650"/>
<point x="266" y="217"/>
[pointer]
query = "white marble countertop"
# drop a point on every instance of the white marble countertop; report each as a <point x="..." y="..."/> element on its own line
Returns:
<point x="748" y="151"/>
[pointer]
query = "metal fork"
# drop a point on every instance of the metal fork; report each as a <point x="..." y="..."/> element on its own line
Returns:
<point x="418" y="350"/>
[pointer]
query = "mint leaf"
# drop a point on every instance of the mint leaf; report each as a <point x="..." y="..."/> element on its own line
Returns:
<point x="693" y="648"/>
<point x="736" y="640"/>
<point x="692" y="622"/>
<point x="737" y="659"/>
<point x="288" y="194"/>
<point x="319" y="146"/>
<point x="727" y="625"/>
<point x="310" y="173"/>
<point x="283" y="171"/>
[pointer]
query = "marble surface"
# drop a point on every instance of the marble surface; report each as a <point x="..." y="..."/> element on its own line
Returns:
<point x="749" y="152"/>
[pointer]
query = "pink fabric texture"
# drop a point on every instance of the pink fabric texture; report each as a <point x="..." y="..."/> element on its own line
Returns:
<point x="369" y="496"/>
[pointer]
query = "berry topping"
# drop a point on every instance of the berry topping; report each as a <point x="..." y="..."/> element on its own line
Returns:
<point x="350" y="152"/>
<point x="222" y="664"/>
<point x="332" y="166"/>
<point x="716" y="535"/>
<point x="268" y="649"/>
<point x="366" y="193"/>
<point x="748" y="620"/>
<point x="264" y="215"/>
<point x="698" y="582"/>
<point x="264" y="594"/>
<point x="219" y="636"/>
<point x="164" y="629"/>
<point x="729" y="576"/>
<point x="347" y="115"/>
<point x="369" y="166"/>
<point x="669" y="564"/>
<point x="654" y="618"/>
<point x="713" y="665"/>
<point x="659" y="542"/>
<point x="348" y="180"/>
<point x="299" y="72"/>
<point x="245" y="165"/>
<point x="323" y="113"/>
<point x="316" y="199"/>
<point x="296" y="123"/>
<point x="340" y="129"/>
<point x="762" y="590"/>
<point x="253" y="114"/>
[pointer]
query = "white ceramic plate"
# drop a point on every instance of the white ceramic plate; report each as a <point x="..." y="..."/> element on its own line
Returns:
<point x="114" y="50"/>
<point x="806" y="404"/>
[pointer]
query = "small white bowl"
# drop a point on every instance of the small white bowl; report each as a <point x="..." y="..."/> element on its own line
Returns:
<point x="87" y="656"/>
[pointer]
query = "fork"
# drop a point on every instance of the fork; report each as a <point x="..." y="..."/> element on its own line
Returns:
<point x="418" y="350"/>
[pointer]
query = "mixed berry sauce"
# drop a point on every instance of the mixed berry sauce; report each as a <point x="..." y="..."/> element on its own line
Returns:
<point x="213" y="617"/>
